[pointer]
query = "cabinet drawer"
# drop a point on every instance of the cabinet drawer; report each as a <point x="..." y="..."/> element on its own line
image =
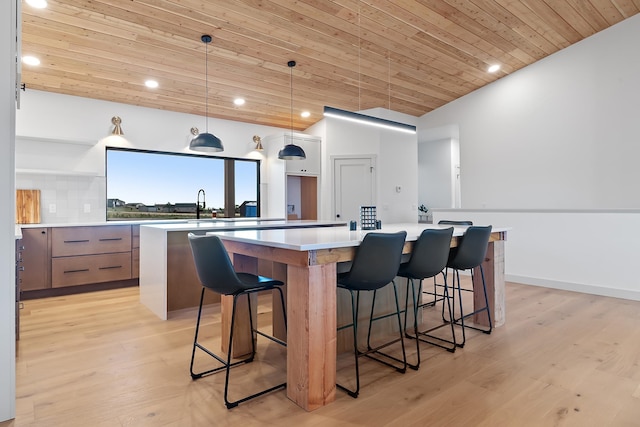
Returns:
<point x="80" y="270"/>
<point x="68" y="241"/>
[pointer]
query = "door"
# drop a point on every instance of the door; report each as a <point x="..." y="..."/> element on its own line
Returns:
<point x="353" y="181"/>
<point x="35" y="259"/>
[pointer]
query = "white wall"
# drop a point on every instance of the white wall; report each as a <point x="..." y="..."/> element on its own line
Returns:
<point x="552" y="151"/>
<point x="7" y="213"/>
<point x="395" y="152"/>
<point x="561" y="133"/>
<point x="437" y="161"/>
<point x="41" y="126"/>
<point x="583" y="251"/>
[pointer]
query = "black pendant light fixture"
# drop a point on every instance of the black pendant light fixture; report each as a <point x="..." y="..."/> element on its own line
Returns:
<point x="291" y="151"/>
<point x="206" y="141"/>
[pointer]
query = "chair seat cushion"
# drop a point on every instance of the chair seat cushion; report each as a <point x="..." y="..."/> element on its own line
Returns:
<point x="404" y="271"/>
<point x="252" y="281"/>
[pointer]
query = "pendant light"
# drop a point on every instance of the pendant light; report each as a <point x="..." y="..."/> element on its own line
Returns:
<point x="206" y="141"/>
<point x="291" y="151"/>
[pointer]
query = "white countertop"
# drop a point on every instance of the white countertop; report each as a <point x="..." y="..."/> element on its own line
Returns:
<point x="147" y="222"/>
<point x="18" y="232"/>
<point x="244" y="224"/>
<point x="305" y="239"/>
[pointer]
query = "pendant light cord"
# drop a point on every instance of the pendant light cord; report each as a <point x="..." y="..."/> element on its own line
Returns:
<point x="291" y="64"/>
<point x="359" y="43"/>
<point x="206" y="86"/>
<point x="206" y="39"/>
<point x="291" y="98"/>
<point x="389" y="76"/>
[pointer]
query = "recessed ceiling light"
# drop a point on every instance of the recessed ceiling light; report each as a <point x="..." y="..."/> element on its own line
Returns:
<point x="493" y="68"/>
<point x="305" y="114"/>
<point x="238" y="101"/>
<point x="151" y="84"/>
<point x="38" y="4"/>
<point x="30" y="60"/>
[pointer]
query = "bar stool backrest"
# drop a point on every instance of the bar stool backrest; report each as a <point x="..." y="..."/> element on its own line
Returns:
<point x="471" y="249"/>
<point x="376" y="261"/>
<point x="430" y="254"/>
<point x="213" y="265"/>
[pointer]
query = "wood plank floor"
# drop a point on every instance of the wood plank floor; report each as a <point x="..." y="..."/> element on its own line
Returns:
<point x="102" y="359"/>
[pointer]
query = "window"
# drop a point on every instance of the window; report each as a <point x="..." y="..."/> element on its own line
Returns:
<point x="246" y="191"/>
<point x="159" y="185"/>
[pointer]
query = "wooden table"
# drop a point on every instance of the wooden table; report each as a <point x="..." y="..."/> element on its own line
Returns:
<point x="307" y="259"/>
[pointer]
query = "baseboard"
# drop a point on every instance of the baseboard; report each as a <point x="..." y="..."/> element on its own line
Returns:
<point x="575" y="287"/>
<point x="80" y="289"/>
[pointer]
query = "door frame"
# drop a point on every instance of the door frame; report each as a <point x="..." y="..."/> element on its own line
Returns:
<point x="374" y="181"/>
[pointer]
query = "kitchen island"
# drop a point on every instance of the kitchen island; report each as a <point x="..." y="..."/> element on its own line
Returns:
<point x="310" y="257"/>
<point x="168" y="278"/>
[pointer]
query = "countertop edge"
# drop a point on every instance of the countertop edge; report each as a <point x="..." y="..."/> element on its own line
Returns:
<point x="142" y="222"/>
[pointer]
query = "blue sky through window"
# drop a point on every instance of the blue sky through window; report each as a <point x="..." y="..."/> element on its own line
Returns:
<point x="159" y="178"/>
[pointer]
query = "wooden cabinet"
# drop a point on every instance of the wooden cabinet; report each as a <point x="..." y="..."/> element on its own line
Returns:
<point x="36" y="260"/>
<point x="302" y="197"/>
<point x="83" y="255"/>
<point x="135" y="251"/>
<point x="63" y="257"/>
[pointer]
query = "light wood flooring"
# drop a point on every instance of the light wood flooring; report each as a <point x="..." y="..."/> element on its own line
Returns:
<point x="102" y="359"/>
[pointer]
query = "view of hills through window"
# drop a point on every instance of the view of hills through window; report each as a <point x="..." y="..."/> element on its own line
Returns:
<point x="159" y="185"/>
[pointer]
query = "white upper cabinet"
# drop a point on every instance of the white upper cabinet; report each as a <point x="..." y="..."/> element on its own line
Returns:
<point x="309" y="143"/>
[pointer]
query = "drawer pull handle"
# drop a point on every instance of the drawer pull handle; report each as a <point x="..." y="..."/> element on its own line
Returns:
<point x="110" y="267"/>
<point x="76" y="241"/>
<point x="110" y="239"/>
<point x="76" y="271"/>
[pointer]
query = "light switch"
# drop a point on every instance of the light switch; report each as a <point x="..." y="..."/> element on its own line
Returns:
<point x="87" y="208"/>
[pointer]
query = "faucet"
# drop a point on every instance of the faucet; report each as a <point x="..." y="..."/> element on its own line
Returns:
<point x="198" y="206"/>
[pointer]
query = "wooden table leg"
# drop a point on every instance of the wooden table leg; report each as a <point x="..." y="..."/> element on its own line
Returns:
<point x="279" y="272"/>
<point x="242" y="331"/>
<point x="493" y="266"/>
<point x="311" y="335"/>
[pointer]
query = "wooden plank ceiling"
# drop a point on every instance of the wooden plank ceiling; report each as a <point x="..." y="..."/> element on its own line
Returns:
<point x="410" y="56"/>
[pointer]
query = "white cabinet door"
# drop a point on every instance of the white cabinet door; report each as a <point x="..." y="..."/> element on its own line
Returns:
<point x="310" y="165"/>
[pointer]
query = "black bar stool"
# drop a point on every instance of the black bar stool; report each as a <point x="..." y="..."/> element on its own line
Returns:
<point x="216" y="273"/>
<point x="428" y="259"/>
<point x="469" y="255"/>
<point x="437" y="296"/>
<point x="374" y="266"/>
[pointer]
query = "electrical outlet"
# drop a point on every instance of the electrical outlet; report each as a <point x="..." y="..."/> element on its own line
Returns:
<point x="87" y="208"/>
<point x="52" y="208"/>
